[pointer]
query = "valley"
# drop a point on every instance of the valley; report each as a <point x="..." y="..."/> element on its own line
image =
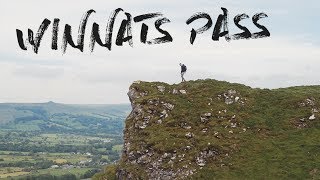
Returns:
<point x="57" y="141"/>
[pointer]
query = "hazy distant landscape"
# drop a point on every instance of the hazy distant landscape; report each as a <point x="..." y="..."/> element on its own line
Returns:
<point x="51" y="140"/>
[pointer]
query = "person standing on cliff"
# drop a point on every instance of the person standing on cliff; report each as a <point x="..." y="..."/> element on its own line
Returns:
<point x="183" y="71"/>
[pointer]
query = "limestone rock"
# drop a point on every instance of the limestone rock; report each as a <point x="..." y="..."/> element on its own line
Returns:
<point x="161" y="88"/>
<point x="204" y="119"/>
<point x="183" y="91"/>
<point x="164" y="114"/>
<point x="174" y="91"/>
<point x="168" y="106"/>
<point x="312" y="117"/>
<point x="189" y="135"/>
<point x="208" y="115"/>
<point x="133" y="94"/>
<point x="231" y="96"/>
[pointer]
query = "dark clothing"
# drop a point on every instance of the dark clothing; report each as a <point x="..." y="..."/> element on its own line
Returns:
<point x="183" y="68"/>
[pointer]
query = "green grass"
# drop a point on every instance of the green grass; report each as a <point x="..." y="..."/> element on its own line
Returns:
<point x="108" y="173"/>
<point x="76" y="171"/>
<point x="117" y="148"/>
<point x="55" y="172"/>
<point x="270" y="147"/>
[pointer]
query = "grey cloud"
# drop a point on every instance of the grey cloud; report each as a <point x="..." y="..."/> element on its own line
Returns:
<point x="39" y="72"/>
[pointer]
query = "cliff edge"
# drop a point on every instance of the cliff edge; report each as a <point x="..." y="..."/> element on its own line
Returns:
<point x="208" y="129"/>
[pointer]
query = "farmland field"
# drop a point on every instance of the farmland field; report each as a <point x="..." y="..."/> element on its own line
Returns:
<point x="57" y="141"/>
<point x="56" y="154"/>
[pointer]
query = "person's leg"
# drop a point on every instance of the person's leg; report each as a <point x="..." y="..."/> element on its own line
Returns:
<point x="182" y="76"/>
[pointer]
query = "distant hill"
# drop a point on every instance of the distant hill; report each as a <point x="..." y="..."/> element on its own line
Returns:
<point x="55" y="117"/>
<point x="208" y="129"/>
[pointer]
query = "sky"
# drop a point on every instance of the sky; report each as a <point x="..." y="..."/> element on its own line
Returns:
<point x="289" y="57"/>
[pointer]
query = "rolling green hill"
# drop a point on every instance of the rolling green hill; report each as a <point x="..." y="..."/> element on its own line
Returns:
<point x="54" y="117"/>
<point x="208" y="129"/>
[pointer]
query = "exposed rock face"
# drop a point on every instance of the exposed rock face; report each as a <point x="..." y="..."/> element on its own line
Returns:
<point x="146" y="157"/>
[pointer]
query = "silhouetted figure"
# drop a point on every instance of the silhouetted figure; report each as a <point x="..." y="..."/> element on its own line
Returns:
<point x="183" y="71"/>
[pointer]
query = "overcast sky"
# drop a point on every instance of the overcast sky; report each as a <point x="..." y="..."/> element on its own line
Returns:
<point x="290" y="57"/>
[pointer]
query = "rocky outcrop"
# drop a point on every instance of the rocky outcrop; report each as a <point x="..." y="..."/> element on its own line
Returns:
<point x="151" y="107"/>
<point x="176" y="131"/>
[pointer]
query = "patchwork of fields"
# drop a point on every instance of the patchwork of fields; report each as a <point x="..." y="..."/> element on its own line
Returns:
<point x="56" y="154"/>
<point x="57" y="141"/>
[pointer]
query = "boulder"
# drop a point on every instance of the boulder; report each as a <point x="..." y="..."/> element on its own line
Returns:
<point x="183" y="91"/>
<point x="189" y="135"/>
<point x="312" y="117"/>
<point x="161" y="88"/>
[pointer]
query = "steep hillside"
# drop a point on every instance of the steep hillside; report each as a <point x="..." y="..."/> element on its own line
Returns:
<point x="54" y="117"/>
<point x="209" y="129"/>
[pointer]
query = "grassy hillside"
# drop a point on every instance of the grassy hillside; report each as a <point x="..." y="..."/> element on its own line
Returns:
<point x="54" y="117"/>
<point x="209" y="129"/>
